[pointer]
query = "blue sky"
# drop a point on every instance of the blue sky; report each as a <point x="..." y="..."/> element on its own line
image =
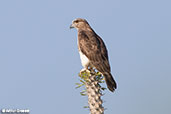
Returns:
<point x="39" y="60"/>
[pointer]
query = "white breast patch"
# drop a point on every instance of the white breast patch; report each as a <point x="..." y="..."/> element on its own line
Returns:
<point x="84" y="60"/>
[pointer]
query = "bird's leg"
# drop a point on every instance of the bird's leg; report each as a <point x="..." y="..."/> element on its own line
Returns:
<point x="82" y="70"/>
<point x="85" y="69"/>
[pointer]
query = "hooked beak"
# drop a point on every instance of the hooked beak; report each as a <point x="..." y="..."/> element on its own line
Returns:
<point x="71" y="26"/>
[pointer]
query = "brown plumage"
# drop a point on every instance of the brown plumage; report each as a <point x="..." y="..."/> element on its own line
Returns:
<point x="93" y="52"/>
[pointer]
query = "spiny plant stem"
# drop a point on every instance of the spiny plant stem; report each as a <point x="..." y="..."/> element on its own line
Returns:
<point x="92" y="81"/>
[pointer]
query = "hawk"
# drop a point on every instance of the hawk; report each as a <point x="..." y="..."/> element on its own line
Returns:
<point x="93" y="52"/>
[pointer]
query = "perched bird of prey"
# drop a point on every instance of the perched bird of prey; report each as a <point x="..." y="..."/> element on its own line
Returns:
<point x="93" y="52"/>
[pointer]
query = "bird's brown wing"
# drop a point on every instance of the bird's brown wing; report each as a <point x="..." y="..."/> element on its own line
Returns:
<point x="92" y="46"/>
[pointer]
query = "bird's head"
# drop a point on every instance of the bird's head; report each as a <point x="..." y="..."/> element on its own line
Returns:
<point x="79" y="24"/>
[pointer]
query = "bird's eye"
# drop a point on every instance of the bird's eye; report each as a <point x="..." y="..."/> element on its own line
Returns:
<point x="76" y="21"/>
